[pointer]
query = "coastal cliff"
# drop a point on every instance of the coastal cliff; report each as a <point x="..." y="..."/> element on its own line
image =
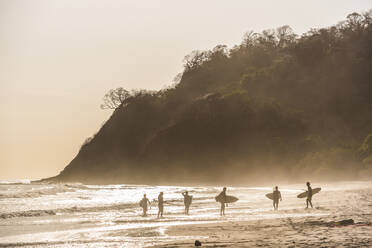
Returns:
<point x="278" y="106"/>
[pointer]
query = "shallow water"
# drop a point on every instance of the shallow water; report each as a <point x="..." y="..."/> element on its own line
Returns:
<point x="77" y="215"/>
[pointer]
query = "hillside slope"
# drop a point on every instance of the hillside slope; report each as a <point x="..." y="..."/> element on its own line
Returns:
<point x="275" y="107"/>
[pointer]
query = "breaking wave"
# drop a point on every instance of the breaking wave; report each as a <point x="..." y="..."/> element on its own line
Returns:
<point x="48" y="190"/>
<point x="29" y="213"/>
<point x="35" y="213"/>
<point x="12" y="182"/>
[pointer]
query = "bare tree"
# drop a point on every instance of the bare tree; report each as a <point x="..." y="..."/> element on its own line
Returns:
<point x="115" y="97"/>
<point x="195" y="59"/>
<point x="177" y="78"/>
<point x="250" y="39"/>
<point x="285" y="36"/>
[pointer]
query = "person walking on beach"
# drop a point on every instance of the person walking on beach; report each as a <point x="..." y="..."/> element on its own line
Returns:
<point x="187" y="201"/>
<point x="143" y="204"/>
<point x="309" y="195"/>
<point x="160" y="205"/>
<point x="276" y="196"/>
<point x="223" y="202"/>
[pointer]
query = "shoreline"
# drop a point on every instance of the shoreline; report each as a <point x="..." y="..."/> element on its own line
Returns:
<point x="281" y="182"/>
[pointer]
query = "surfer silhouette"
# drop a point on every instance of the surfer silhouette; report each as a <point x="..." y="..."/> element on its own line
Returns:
<point x="223" y="202"/>
<point x="160" y="204"/>
<point x="143" y="204"/>
<point x="276" y="196"/>
<point x="309" y="195"/>
<point x="187" y="201"/>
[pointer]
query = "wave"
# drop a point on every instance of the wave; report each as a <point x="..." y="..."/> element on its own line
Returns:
<point x="48" y="190"/>
<point x="98" y="208"/>
<point x="76" y="186"/>
<point x="35" y="213"/>
<point x="54" y="243"/>
<point x="12" y="182"/>
<point x="29" y="213"/>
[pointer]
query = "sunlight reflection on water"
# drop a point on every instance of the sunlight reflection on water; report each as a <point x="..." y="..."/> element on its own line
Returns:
<point x="109" y="215"/>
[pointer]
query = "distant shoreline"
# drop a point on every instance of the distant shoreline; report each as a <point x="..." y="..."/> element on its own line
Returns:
<point x="193" y="184"/>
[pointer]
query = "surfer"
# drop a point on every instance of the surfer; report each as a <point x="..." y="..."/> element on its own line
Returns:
<point x="276" y="196"/>
<point x="143" y="204"/>
<point x="160" y="205"/>
<point x="309" y="195"/>
<point x="187" y="201"/>
<point x="223" y="202"/>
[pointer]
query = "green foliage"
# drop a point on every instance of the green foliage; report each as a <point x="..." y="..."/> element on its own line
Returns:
<point x="367" y="144"/>
<point x="336" y="163"/>
<point x="365" y="149"/>
<point x="368" y="160"/>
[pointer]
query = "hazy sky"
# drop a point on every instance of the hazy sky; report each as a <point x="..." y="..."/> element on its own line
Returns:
<point x="58" y="59"/>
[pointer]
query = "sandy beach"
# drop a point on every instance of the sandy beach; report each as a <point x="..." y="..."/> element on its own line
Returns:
<point x="347" y="224"/>
<point x="283" y="232"/>
<point x="76" y="215"/>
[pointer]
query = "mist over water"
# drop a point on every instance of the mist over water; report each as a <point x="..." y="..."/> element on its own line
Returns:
<point x="54" y="215"/>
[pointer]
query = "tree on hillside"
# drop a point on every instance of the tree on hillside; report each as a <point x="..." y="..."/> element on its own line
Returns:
<point x="195" y="59"/>
<point x="115" y="97"/>
<point x="365" y="149"/>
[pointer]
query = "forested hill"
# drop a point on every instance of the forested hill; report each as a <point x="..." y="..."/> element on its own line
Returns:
<point x="276" y="107"/>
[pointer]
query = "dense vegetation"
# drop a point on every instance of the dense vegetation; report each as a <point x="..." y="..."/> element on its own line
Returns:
<point x="276" y="107"/>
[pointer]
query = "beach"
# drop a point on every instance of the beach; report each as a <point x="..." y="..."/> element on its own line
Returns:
<point x="282" y="232"/>
<point x="77" y="215"/>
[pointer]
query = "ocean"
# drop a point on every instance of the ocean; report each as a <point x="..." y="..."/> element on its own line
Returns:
<point x="78" y="215"/>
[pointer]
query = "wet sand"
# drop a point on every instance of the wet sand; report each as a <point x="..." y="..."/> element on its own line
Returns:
<point x="282" y="232"/>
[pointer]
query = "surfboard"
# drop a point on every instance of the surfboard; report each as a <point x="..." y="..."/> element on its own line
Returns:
<point x="229" y="199"/>
<point x="188" y="200"/>
<point x="142" y="203"/>
<point x="270" y="196"/>
<point x="304" y="194"/>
